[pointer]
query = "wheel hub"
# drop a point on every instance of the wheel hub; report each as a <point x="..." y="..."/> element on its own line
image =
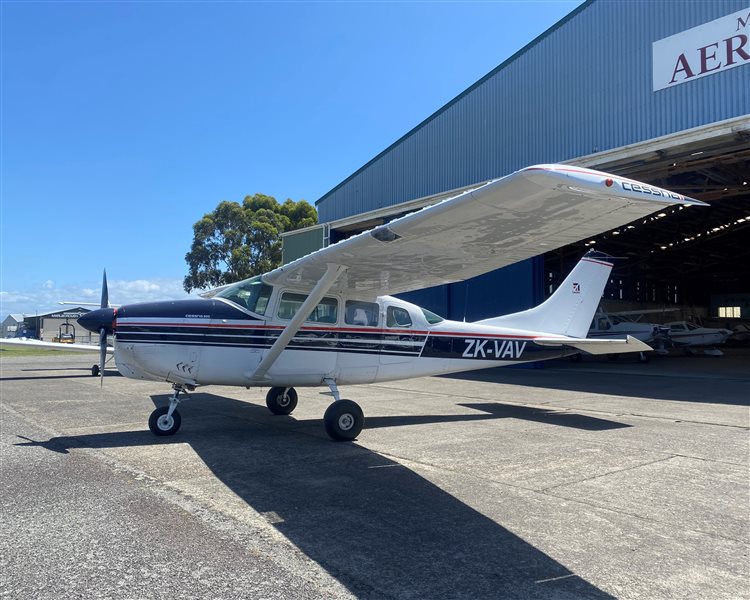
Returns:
<point x="165" y="422"/>
<point x="346" y="422"/>
<point x="283" y="400"/>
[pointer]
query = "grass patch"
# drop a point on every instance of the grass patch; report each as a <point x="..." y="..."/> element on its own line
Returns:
<point x="9" y="351"/>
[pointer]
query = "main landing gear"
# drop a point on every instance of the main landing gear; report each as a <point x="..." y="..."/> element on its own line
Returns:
<point x="343" y="419"/>
<point x="166" y="420"/>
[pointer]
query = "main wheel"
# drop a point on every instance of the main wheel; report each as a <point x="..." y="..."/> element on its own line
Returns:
<point x="160" y="424"/>
<point x="344" y="420"/>
<point x="281" y="401"/>
<point x="95" y="370"/>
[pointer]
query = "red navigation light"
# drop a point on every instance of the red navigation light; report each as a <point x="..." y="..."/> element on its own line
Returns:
<point x="608" y="182"/>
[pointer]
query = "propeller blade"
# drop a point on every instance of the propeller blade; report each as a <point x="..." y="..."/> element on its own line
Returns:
<point x="102" y="354"/>
<point x="105" y="291"/>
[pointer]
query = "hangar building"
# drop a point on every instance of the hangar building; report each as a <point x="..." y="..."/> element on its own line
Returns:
<point x="60" y="325"/>
<point x="656" y="91"/>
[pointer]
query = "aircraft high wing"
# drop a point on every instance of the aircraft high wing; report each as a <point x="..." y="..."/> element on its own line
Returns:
<point x="327" y="318"/>
<point x="499" y="223"/>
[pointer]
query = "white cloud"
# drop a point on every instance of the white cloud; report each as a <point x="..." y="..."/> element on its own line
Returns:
<point x="48" y="297"/>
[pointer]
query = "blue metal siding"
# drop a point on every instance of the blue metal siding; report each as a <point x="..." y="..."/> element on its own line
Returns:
<point x="584" y="87"/>
<point x="500" y="292"/>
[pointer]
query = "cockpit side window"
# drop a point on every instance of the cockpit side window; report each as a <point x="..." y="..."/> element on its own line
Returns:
<point x="431" y="317"/>
<point x="397" y="317"/>
<point x="251" y="294"/>
<point x="325" y="312"/>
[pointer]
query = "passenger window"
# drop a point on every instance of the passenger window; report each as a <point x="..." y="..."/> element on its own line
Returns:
<point x="398" y="317"/>
<point x="325" y="312"/>
<point x="361" y="313"/>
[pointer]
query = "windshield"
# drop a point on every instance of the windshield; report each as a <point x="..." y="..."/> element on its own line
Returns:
<point x="431" y="317"/>
<point x="251" y="294"/>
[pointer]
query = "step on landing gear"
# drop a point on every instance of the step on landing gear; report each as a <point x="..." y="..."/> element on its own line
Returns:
<point x="343" y="419"/>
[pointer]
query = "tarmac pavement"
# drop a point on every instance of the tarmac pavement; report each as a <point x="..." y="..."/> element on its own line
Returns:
<point x="592" y="480"/>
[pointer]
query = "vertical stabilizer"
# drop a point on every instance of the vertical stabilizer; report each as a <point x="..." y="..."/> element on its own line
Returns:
<point x="570" y="310"/>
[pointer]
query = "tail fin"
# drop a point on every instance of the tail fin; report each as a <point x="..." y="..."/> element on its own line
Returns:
<point x="570" y="310"/>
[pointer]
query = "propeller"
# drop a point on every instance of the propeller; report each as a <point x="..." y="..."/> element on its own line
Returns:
<point x="100" y="321"/>
<point x="103" y="330"/>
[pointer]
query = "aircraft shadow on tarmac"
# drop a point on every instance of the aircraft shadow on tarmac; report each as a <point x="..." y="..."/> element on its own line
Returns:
<point x="378" y="527"/>
<point x="655" y="387"/>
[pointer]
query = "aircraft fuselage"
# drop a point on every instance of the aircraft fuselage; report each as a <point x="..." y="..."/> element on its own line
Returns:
<point x="216" y="342"/>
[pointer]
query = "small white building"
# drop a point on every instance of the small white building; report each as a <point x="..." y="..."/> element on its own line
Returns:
<point x="11" y="325"/>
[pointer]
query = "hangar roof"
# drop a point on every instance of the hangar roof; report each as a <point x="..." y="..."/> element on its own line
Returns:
<point x="583" y="87"/>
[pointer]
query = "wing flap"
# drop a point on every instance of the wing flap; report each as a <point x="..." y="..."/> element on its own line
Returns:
<point x="507" y="220"/>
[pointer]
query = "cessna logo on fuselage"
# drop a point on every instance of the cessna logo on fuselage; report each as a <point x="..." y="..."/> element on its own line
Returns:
<point x="493" y="349"/>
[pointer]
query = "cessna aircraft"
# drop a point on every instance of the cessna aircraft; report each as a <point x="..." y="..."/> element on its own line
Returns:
<point x="325" y="319"/>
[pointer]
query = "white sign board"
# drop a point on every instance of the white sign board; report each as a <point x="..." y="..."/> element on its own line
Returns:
<point x="704" y="50"/>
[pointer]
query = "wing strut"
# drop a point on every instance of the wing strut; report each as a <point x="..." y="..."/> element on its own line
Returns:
<point x="324" y="284"/>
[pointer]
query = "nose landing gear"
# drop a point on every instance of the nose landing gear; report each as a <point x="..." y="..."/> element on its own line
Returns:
<point x="166" y="420"/>
<point x="281" y="401"/>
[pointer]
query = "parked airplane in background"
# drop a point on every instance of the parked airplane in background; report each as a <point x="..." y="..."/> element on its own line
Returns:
<point x="689" y="335"/>
<point x="326" y="318"/>
<point x="612" y="326"/>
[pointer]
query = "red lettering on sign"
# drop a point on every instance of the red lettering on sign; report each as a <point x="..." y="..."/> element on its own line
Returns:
<point x="742" y="23"/>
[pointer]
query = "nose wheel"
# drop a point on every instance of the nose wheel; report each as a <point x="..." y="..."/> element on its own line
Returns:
<point x="165" y="420"/>
<point x="281" y="401"/>
<point x="162" y="423"/>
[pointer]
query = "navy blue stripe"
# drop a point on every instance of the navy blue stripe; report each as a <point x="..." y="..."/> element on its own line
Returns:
<point x="184" y="309"/>
<point x="414" y="353"/>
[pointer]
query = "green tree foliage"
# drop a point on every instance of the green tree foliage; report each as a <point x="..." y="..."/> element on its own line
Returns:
<point x="237" y="241"/>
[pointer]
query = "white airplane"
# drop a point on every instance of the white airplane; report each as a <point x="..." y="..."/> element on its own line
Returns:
<point x="612" y="326"/>
<point x="326" y="318"/>
<point x="687" y="335"/>
<point x="616" y="325"/>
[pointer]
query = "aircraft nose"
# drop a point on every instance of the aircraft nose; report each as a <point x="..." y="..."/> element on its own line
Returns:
<point x="96" y="320"/>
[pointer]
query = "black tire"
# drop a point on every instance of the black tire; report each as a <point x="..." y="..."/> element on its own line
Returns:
<point x="95" y="370"/>
<point x="281" y="403"/>
<point x="344" y="420"/>
<point x="159" y="425"/>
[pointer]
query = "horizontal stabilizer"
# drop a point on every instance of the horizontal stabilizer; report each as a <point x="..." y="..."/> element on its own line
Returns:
<point x="51" y="345"/>
<point x="629" y="344"/>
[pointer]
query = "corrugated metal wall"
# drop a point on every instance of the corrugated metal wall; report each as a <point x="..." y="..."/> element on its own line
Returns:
<point x="583" y="88"/>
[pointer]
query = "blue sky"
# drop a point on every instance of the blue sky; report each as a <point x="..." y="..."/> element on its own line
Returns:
<point x="124" y="122"/>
